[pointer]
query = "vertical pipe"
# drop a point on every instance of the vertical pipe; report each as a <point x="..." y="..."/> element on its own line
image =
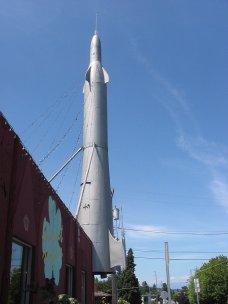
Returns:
<point x="167" y="270"/>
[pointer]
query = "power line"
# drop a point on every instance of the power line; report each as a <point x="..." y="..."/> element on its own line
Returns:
<point x="182" y="251"/>
<point x="168" y="195"/>
<point x="173" y="259"/>
<point x="179" y="232"/>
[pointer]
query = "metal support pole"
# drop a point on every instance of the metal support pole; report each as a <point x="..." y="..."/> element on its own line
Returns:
<point x="197" y="297"/>
<point x="167" y="270"/>
<point x="156" y="280"/>
<point x="66" y="163"/>
<point x="156" y="284"/>
<point x="197" y="288"/>
<point x="83" y="187"/>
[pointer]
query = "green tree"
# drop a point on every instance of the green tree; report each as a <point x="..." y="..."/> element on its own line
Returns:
<point x="153" y="289"/>
<point x="122" y="301"/>
<point x="144" y="288"/>
<point x="184" y="289"/>
<point x="181" y="296"/>
<point x="104" y="285"/>
<point x="127" y="282"/>
<point x="213" y="279"/>
<point x="164" y="287"/>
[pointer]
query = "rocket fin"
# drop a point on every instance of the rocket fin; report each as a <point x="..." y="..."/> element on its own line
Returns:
<point x="86" y="89"/>
<point x="117" y="252"/>
<point x="88" y="74"/>
<point x="87" y="81"/>
<point x="106" y="77"/>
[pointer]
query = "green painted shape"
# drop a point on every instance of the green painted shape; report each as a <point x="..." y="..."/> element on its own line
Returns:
<point x="52" y="241"/>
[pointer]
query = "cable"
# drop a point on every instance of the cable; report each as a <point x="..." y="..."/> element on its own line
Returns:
<point x="167" y="194"/>
<point x="179" y="233"/>
<point x="62" y="178"/>
<point x="74" y="185"/>
<point x="173" y="259"/>
<point x="60" y="141"/>
<point x="48" y="110"/>
<point x="53" y="124"/>
<point x="182" y="251"/>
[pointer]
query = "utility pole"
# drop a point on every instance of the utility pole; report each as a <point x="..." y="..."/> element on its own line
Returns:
<point x="114" y="288"/>
<point x="156" y="280"/>
<point x="197" y="289"/>
<point x="167" y="270"/>
<point x="156" y="284"/>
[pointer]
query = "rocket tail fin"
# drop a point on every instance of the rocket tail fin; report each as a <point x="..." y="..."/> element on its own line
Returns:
<point x="106" y="77"/>
<point x="117" y="252"/>
<point x="88" y="75"/>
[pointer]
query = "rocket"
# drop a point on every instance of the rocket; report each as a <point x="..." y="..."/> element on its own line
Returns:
<point x="94" y="212"/>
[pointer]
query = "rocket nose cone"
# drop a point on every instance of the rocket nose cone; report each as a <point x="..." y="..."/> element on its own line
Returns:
<point x="95" y="48"/>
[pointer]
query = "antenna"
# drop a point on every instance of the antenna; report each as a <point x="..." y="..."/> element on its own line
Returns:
<point x="96" y="24"/>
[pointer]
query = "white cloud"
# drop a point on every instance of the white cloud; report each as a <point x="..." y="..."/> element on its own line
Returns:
<point x="209" y="153"/>
<point x="213" y="156"/>
<point x="172" y="98"/>
<point x="219" y="188"/>
<point x="215" y="159"/>
<point x="176" y="96"/>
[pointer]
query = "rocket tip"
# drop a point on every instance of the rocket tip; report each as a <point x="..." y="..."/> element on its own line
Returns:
<point x="95" y="48"/>
<point x="96" y="25"/>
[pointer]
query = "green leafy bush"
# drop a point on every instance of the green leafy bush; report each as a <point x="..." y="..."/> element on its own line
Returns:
<point x="122" y="301"/>
<point x="65" y="299"/>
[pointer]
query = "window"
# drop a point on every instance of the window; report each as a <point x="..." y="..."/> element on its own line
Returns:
<point x="83" y="291"/>
<point x="69" y="280"/>
<point x="20" y="273"/>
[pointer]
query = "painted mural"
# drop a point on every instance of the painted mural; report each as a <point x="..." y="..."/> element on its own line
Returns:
<point x="52" y="241"/>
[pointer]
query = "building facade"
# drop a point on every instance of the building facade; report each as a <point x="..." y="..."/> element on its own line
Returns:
<point x="41" y="242"/>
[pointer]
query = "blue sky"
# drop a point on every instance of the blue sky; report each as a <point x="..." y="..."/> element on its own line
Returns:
<point x="168" y="144"/>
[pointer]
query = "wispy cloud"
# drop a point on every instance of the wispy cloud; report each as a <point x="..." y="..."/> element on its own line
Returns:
<point x="171" y="98"/>
<point x="219" y="188"/>
<point x="213" y="156"/>
<point x="210" y="154"/>
<point x="215" y="159"/>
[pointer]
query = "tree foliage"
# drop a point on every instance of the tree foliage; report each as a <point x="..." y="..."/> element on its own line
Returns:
<point x="213" y="279"/>
<point x="154" y="289"/>
<point x="128" y="284"/>
<point x="164" y="287"/>
<point x="144" y="288"/>
<point x="104" y="285"/>
<point x="181" y="296"/>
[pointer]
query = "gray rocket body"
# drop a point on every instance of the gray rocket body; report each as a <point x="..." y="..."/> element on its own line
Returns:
<point x="95" y="202"/>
